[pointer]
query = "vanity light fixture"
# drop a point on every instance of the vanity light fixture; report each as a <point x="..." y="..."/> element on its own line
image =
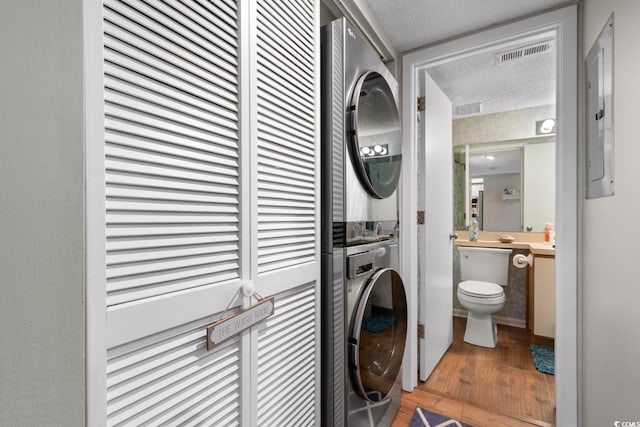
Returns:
<point x="375" y="150"/>
<point x="545" y="127"/>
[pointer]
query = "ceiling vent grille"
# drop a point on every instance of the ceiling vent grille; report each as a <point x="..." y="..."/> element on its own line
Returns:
<point x="524" y="51"/>
<point x="465" y="109"/>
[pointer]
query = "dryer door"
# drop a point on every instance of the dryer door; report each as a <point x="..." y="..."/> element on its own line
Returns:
<point x="376" y="144"/>
<point x="378" y="334"/>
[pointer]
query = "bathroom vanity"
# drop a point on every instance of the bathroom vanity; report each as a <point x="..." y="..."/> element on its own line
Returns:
<point x="540" y="279"/>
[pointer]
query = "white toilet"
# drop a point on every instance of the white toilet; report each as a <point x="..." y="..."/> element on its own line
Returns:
<point x="484" y="271"/>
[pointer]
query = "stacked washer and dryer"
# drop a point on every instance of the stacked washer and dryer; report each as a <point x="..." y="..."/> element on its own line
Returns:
<point x="364" y="307"/>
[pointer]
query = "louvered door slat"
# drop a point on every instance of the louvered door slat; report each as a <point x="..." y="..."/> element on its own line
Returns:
<point x="120" y="16"/>
<point x="276" y="39"/>
<point x="270" y="120"/>
<point x="294" y="21"/>
<point x="274" y="103"/>
<point x="114" y="247"/>
<point x="168" y="184"/>
<point x="276" y="113"/>
<point x="294" y="191"/>
<point x="173" y="204"/>
<point x="171" y="25"/>
<point x="155" y="93"/>
<point x="193" y="15"/>
<point x="287" y="156"/>
<point x="118" y="64"/>
<point x="281" y="139"/>
<point x="129" y="107"/>
<point x="118" y="164"/>
<point x="153" y="53"/>
<point x="269" y="165"/>
<point x="281" y="76"/>
<point x="183" y="252"/>
<point x="291" y="66"/>
<point x="148" y="395"/>
<point x="304" y="10"/>
<point x="286" y="360"/>
<point x="142" y="51"/>
<point x="223" y="9"/>
<point x="134" y="159"/>
<point x="167" y="282"/>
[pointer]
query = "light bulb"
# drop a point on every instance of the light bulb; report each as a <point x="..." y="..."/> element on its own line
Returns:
<point x="547" y="125"/>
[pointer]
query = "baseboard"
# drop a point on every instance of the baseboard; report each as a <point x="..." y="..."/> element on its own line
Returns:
<point x="500" y="320"/>
<point x="549" y="342"/>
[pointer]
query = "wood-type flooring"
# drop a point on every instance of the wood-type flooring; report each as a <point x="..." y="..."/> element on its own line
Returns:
<point x="485" y="387"/>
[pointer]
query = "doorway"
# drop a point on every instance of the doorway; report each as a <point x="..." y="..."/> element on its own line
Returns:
<point x="562" y="24"/>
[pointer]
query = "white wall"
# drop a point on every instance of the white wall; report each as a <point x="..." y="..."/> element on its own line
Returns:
<point x="499" y="214"/>
<point x="507" y="126"/>
<point x="539" y="193"/>
<point x="41" y="214"/>
<point x="610" y="284"/>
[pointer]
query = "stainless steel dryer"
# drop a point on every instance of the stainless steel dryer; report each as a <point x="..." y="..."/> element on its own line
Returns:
<point x="361" y="159"/>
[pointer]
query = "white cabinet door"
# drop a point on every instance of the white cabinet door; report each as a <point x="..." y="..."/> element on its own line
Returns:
<point x="544" y="300"/>
<point x="210" y="113"/>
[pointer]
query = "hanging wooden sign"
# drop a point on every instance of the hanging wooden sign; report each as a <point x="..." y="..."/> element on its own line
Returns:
<point x="238" y="322"/>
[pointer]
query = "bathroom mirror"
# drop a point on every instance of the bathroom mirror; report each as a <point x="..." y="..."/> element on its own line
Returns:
<point x="508" y="186"/>
<point x="376" y="145"/>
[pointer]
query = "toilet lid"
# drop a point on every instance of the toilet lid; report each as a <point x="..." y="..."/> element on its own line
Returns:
<point x="480" y="289"/>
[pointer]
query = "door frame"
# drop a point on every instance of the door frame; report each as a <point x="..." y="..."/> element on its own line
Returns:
<point x="563" y="22"/>
<point x="95" y="232"/>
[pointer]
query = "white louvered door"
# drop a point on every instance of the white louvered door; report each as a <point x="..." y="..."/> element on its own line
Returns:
<point x="211" y="179"/>
<point x="286" y="211"/>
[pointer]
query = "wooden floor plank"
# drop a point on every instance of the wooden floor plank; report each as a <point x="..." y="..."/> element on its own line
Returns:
<point x="479" y="417"/>
<point x="486" y="387"/>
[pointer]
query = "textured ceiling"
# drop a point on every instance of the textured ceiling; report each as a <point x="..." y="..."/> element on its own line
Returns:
<point x="514" y="85"/>
<point x="523" y="83"/>
<point x="410" y="24"/>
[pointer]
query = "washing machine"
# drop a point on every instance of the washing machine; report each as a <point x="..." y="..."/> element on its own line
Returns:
<point x="376" y="333"/>
<point x="361" y="164"/>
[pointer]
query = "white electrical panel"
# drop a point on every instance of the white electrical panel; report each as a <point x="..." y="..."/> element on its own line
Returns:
<point x="599" y="158"/>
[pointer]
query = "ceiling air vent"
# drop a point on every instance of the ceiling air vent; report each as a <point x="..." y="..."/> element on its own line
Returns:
<point x="524" y="51"/>
<point x="465" y="109"/>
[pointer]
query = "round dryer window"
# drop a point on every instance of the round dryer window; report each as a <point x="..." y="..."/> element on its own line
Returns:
<point x="376" y="145"/>
<point x="378" y="334"/>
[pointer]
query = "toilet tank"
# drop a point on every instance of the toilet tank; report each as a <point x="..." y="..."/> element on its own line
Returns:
<point x="485" y="264"/>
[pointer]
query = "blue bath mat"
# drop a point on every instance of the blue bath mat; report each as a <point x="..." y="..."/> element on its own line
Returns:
<point x="543" y="358"/>
<point x="378" y="323"/>
<point x="424" y="418"/>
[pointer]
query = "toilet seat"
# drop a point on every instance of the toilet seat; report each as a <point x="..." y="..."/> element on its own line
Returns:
<point x="478" y="289"/>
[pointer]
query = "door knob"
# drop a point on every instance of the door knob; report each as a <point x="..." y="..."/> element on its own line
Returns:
<point x="453" y="236"/>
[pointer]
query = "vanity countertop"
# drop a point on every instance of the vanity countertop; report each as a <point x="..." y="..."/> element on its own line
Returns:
<point x="542" y="249"/>
<point x="488" y="240"/>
